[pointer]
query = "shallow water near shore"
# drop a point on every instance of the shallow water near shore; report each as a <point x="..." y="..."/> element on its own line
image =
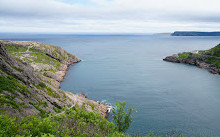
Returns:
<point x="168" y="96"/>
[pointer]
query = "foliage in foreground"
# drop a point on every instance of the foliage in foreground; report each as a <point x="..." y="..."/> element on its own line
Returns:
<point x="74" y="122"/>
<point x="121" y="117"/>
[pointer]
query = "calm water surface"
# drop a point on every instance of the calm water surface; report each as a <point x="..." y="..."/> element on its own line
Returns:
<point x="168" y="96"/>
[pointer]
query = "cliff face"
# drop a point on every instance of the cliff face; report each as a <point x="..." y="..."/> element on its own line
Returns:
<point x="208" y="59"/>
<point x="51" y="61"/>
<point x="30" y="75"/>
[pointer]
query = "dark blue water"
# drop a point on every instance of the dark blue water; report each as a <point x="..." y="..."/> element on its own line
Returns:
<point x="168" y="96"/>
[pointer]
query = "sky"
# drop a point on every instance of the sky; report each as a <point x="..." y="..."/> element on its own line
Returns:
<point x="109" y="16"/>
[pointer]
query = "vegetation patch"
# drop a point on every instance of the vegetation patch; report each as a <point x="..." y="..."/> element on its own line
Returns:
<point x="18" y="69"/>
<point x="214" y="60"/>
<point x="33" y="56"/>
<point x="8" y="101"/>
<point x="74" y="122"/>
<point x="215" y="51"/>
<point x="92" y="105"/>
<point x="184" y="55"/>
<point x="43" y="113"/>
<point x="52" y="93"/>
<point x="12" y="49"/>
<point x="57" y="110"/>
<point x="42" y="85"/>
<point x="11" y="84"/>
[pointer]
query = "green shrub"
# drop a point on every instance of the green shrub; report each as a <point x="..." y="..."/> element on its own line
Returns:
<point x="121" y="117"/>
<point x="74" y="122"/>
<point x="57" y="110"/>
<point x="43" y="113"/>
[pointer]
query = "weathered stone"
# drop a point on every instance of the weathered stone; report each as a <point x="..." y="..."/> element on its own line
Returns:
<point x="193" y="59"/>
<point x="35" y="82"/>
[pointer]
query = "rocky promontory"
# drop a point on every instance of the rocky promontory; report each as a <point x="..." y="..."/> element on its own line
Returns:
<point x="30" y="76"/>
<point x="208" y="59"/>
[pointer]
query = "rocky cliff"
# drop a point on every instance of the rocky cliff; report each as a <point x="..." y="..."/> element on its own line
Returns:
<point x="30" y="76"/>
<point x="208" y="59"/>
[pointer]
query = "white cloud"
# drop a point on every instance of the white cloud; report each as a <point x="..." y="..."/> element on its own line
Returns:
<point x="109" y="15"/>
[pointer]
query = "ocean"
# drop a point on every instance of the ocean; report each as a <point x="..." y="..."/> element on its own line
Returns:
<point x="169" y="97"/>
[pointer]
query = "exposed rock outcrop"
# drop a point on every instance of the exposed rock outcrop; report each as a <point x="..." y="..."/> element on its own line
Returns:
<point x="56" y="71"/>
<point x="35" y="91"/>
<point x="208" y="59"/>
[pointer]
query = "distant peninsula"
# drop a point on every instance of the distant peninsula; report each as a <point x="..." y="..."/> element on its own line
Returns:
<point x="195" y="33"/>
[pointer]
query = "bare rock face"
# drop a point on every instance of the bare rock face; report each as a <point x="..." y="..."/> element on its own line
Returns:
<point x="9" y="64"/>
<point x="35" y="91"/>
<point x="171" y="59"/>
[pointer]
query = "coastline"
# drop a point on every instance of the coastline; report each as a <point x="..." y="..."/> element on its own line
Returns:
<point x="49" y="65"/>
<point x="195" y="59"/>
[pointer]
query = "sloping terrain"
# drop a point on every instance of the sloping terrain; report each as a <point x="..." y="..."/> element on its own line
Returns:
<point x="208" y="59"/>
<point x="30" y="76"/>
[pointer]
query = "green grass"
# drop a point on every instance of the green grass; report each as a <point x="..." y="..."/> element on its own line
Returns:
<point x="42" y="58"/>
<point x="214" y="60"/>
<point x="6" y="41"/>
<point x="35" y="56"/>
<point x="11" y="84"/>
<point x="184" y="55"/>
<point x="215" y="51"/>
<point x="48" y="90"/>
<point x="18" y="69"/>
<point x="8" y="101"/>
<point x="52" y="93"/>
<point x="41" y="84"/>
<point x="12" y="49"/>
<point x="214" y="57"/>
<point x="43" y="113"/>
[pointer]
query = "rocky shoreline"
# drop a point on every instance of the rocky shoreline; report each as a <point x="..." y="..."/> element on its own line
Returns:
<point x="40" y="68"/>
<point x="199" y="60"/>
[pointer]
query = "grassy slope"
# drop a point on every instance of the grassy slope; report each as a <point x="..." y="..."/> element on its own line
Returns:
<point x="213" y="55"/>
<point x="34" y="57"/>
<point x="15" y="94"/>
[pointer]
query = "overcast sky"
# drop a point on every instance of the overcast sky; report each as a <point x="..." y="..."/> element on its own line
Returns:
<point x="109" y="16"/>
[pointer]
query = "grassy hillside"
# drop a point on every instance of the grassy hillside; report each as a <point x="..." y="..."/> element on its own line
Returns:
<point x="30" y="74"/>
<point x="211" y="56"/>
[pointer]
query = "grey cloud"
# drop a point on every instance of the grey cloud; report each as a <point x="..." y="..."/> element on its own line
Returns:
<point x="54" y="15"/>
